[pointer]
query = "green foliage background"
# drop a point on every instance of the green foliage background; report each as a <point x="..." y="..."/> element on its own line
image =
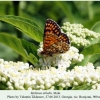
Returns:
<point x="83" y="12"/>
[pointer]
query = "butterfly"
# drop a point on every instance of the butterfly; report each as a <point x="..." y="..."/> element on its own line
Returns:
<point x="54" y="41"/>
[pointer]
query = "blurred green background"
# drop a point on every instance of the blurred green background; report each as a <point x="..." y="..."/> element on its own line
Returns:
<point x="83" y="12"/>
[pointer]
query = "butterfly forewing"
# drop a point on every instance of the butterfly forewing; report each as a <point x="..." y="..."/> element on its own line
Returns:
<point x="51" y="27"/>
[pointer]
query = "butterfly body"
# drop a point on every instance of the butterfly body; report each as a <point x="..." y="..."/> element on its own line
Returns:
<point x="54" y="42"/>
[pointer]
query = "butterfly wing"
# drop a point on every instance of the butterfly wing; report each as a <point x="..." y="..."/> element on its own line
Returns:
<point x="51" y="33"/>
<point x="51" y="27"/>
<point x="54" y="41"/>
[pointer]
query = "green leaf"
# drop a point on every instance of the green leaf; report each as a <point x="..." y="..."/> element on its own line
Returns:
<point x="29" y="47"/>
<point x="89" y="53"/>
<point x="94" y="58"/>
<point x="83" y="87"/>
<point x="26" y="26"/>
<point x="96" y="27"/>
<point x="22" y="47"/>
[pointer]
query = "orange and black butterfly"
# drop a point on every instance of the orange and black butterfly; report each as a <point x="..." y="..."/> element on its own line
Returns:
<point x="54" y="42"/>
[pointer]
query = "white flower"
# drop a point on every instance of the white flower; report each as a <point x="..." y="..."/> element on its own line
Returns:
<point x="79" y="35"/>
<point x="75" y="83"/>
<point x="60" y="60"/>
<point x="21" y="82"/>
<point x="52" y="78"/>
<point x="52" y="88"/>
<point x="48" y="85"/>
<point x="29" y="88"/>
<point x="1" y="61"/>
<point x="10" y="87"/>
<point x="39" y="81"/>
<point x="3" y="79"/>
<point x="98" y="87"/>
<point x="62" y="85"/>
<point x="68" y="84"/>
<point x="94" y="87"/>
<point x="17" y="85"/>
<point x="9" y="83"/>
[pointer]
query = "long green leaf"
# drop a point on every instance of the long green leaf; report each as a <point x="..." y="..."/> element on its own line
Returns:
<point x="96" y="27"/>
<point x="29" y="47"/>
<point x="26" y="26"/>
<point x="90" y="52"/>
<point x="22" y="47"/>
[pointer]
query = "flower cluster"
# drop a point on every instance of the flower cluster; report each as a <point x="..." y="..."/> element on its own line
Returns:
<point x="56" y="76"/>
<point x="60" y="60"/>
<point x="21" y="76"/>
<point x="79" y="35"/>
